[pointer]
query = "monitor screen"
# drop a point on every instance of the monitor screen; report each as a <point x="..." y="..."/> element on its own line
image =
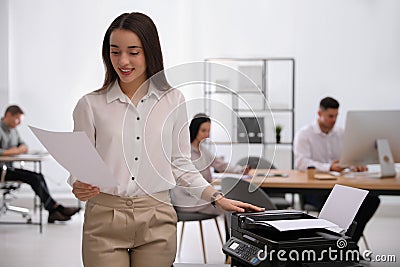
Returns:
<point x="363" y="129"/>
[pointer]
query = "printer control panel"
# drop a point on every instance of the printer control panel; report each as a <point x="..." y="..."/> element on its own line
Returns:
<point x="242" y="250"/>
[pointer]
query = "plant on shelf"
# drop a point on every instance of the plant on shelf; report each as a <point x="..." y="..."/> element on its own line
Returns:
<point x="278" y="130"/>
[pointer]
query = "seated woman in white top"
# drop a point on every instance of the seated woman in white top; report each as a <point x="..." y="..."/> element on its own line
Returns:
<point x="203" y="160"/>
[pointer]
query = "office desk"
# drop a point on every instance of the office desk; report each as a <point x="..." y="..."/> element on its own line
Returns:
<point x="37" y="163"/>
<point x="298" y="182"/>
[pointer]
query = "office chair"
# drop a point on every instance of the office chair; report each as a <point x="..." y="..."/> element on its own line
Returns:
<point x="196" y="216"/>
<point x="238" y="189"/>
<point x="259" y="163"/>
<point x="7" y="187"/>
<point x="256" y="163"/>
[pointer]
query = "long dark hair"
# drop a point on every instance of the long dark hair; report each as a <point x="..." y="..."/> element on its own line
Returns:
<point x="146" y="30"/>
<point x="195" y="124"/>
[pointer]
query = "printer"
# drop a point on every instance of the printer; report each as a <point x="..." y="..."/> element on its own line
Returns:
<point x="255" y="242"/>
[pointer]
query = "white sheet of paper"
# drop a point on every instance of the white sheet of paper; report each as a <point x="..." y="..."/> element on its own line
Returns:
<point x="300" y="224"/>
<point x="342" y="205"/>
<point x="75" y="152"/>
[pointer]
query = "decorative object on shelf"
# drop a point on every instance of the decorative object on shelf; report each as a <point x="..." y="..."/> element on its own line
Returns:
<point x="278" y="130"/>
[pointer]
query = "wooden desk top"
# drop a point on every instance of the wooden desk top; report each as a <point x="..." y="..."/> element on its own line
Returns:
<point x="298" y="179"/>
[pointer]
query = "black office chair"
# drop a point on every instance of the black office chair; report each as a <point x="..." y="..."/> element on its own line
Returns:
<point x="256" y="163"/>
<point x="242" y="190"/>
<point x="259" y="163"/>
<point x="7" y="188"/>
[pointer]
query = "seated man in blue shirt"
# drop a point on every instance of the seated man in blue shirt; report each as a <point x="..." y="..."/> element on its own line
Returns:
<point x="319" y="145"/>
<point x="10" y="145"/>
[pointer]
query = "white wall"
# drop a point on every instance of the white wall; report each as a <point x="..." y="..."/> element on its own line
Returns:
<point x="4" y="87"/>
<point x="345" y="49"/>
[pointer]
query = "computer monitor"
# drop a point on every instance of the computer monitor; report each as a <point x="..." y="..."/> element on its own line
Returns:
<point x="372" y="137"/>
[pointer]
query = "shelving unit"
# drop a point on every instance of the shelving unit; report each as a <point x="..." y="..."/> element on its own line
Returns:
<point x="244" y="89"/>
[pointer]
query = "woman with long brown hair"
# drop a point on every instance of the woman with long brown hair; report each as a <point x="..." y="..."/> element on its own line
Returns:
<point x="138" y="125"/>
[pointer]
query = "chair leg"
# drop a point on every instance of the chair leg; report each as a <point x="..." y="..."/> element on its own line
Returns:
<point x="202" y="242"/>
<point x="23" y="211"/>
<point x="219" y="231"/>
<point x="36" y="203"/>
<point x="227" y="237"/>
<point x="180" y="240"/>
<point x="365" y="242"/>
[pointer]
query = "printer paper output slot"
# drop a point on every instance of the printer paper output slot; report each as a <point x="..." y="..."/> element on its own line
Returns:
<point x="292" y="222"/>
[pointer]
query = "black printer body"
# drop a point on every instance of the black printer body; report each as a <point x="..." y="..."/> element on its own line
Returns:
<point x="254" y="242"/>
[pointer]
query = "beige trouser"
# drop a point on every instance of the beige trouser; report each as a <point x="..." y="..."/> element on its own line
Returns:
<point x="129" y="232"/>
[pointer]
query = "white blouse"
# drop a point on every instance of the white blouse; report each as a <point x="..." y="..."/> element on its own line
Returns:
<point x="147" y="146"/>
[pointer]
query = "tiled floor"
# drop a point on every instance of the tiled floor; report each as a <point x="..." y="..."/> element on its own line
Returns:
<point x="60" y="244"/>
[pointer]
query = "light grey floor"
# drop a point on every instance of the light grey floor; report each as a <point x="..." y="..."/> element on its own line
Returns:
<point x="59" y="245"/>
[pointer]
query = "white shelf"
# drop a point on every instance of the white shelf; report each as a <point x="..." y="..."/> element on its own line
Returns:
<point x="263" y="98"/>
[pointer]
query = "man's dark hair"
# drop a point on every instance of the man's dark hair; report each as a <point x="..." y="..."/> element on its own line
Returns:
<point x="14" y="110"/>
<point x="328" y="102"/>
